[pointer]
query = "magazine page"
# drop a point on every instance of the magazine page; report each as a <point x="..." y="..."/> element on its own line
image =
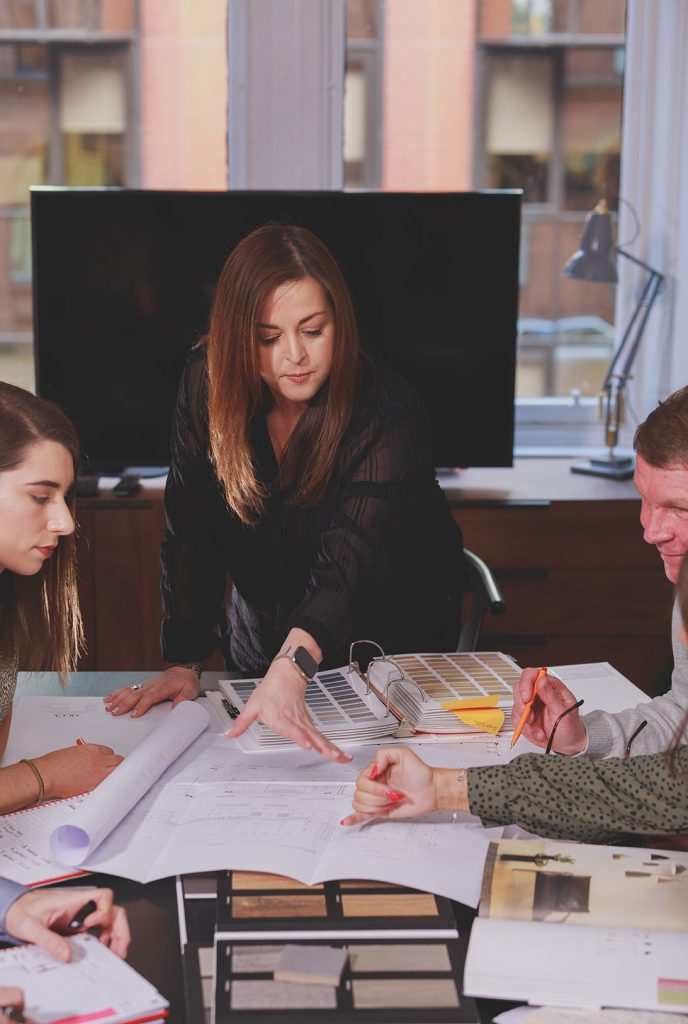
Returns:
<point x="587" y="885"/>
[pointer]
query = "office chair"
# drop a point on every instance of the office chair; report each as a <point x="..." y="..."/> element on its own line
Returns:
<point x="485" y="596"/>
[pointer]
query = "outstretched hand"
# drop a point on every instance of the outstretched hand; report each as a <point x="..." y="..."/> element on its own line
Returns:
<point x="278" y="702"/>
<point x="553" y="697"/>
<point x="176" y="684"/>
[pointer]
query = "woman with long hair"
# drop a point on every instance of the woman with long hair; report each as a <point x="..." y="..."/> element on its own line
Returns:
<point x="301" y="471"/>
<point x="40" y="623"/>
<point x="609" y="800"/>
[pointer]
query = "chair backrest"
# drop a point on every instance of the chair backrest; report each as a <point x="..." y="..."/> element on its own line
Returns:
<point x="485" y="596"/>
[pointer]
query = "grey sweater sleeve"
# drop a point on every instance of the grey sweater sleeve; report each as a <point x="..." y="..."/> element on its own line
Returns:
<point x="577" y="798"/>
<point x="9" y="892"/>
<point x="608" y="733"/>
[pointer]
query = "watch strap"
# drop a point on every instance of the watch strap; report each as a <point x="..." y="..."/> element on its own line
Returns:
<point x="302" y="660"/>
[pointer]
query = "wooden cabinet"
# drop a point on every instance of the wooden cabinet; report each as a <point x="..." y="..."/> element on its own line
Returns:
<point x="119" y="581"/>
<point x="579" y="582"/>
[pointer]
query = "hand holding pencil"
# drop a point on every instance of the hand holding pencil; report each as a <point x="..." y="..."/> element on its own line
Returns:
<point x="537" y="716"/>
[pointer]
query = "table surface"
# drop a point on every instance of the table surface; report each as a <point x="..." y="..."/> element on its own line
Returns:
<point x="156" y="950"/>
<point x="529" y="479"/>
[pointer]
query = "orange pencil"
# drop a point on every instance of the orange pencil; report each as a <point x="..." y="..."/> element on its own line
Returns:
<point x="527" y="709"/>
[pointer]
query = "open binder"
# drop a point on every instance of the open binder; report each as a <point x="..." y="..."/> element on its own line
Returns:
<point x="396" y="696"/>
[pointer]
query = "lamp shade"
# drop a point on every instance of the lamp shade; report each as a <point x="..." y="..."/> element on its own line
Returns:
<point x="593" y="261"/>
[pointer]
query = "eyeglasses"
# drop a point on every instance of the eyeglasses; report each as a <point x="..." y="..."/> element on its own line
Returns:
<point x="637" y="732"/>
<point x="564" y="713"/>
<point x="574" y="707"/>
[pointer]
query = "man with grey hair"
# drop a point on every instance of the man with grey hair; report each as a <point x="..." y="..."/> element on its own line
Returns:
<point x="661" y="477"/>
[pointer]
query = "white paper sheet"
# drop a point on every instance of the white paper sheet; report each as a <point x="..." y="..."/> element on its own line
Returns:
<point x="95" y="985"/>
<point x="557" y="965"/>
<point x="567" y="1015"/>
<point x="72" y="843"/>
<point x="43" y="724"/>
<point x="291" y="829"/>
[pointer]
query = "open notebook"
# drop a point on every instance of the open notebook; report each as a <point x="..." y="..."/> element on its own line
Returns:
<point x="573" y="924"/>
<point x="348" y="710"/>
<point x="95" y="986"/>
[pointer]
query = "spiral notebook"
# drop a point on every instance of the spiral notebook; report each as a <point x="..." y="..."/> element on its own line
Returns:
<point x="398" y="696"/>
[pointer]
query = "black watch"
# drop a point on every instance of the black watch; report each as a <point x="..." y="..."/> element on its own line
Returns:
<point x="304" y="662"/>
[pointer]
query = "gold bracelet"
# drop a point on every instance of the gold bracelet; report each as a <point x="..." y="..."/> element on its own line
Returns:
<point x="39" y="780"/>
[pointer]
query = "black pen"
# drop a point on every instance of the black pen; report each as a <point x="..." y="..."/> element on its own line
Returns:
<point x="230" y="709"/>
<point x="81" y="915"/>
<point x="13" y="1014"/>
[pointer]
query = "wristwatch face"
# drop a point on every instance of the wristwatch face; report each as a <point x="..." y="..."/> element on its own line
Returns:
<point x="303" y="660"/>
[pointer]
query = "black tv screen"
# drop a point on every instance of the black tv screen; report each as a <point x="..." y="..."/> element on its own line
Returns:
<point x="123" y="281"/>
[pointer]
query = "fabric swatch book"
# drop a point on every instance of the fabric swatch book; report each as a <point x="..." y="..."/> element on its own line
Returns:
<point x="95" y="986"/>
<point x="572" y="924"/>
<point x="466" y="694"/>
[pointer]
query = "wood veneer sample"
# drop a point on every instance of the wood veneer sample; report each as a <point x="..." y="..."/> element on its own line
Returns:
<point x="255" y="959"/>
<point x="281" y="995"/>
<point x="403" y="904"/>
<point x="407" y="992"/>
<point x="250" y="880"/>
<point x="361" y="883"/>
<point x="410" y="956"/>
<point x="279" y="906"/>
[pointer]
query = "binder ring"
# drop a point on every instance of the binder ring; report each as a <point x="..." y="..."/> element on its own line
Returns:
<point x="354" y="666"/>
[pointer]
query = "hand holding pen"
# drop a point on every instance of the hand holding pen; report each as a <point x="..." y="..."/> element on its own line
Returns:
<point x="528" y="706"/>
<point x="45" y="916"/>
<point x="12" y="1006"/>
<point x="537" y="717"/>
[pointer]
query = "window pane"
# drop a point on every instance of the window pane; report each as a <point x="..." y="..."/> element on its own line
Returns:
<point x="566" y="330"/>
<point x="502" y="19"/>
<point x="94" y="15"/>
<point x="18" y="14"/>
<point x="520" y="123"/>
<point x="356" y="99"/>
<point x="92" y="115"/>
<point x="69" y="14"/>
<point x="591" y="127"/>
<point x="362" y="17"/>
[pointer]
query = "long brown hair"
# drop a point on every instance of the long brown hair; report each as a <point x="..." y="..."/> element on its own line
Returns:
<point x="39" y="615"/>
<point x="267" y="258"/>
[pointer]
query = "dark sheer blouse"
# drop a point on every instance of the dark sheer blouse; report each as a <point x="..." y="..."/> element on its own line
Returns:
<point x="378" y="558"/>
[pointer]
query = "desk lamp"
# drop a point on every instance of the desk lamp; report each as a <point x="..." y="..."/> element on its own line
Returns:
<point x="594" y="262"/>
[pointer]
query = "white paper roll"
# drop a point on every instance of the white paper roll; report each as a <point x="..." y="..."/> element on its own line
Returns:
<point x="123" y="788"/>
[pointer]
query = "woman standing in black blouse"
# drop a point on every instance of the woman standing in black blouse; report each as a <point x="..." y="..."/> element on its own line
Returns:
<point x="303" y="472"/>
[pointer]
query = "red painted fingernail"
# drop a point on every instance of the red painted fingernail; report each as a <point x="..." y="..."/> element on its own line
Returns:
<point x="342" y="821"/>
<point x="374" y="772"/>
<point x="393" y="795"/>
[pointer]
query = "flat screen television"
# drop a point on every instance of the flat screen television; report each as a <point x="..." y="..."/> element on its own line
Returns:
<point x="123" y="281"/>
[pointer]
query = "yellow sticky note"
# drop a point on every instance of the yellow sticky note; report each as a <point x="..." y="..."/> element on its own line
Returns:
<point x="478" y="712"/>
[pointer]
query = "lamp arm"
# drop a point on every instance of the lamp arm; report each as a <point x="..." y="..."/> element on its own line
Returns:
<point x="644" y="305"/>
<point x="615" y="383"/>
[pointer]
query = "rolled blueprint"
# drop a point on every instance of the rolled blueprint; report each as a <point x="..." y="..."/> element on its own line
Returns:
<point x="123" y="788"/>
